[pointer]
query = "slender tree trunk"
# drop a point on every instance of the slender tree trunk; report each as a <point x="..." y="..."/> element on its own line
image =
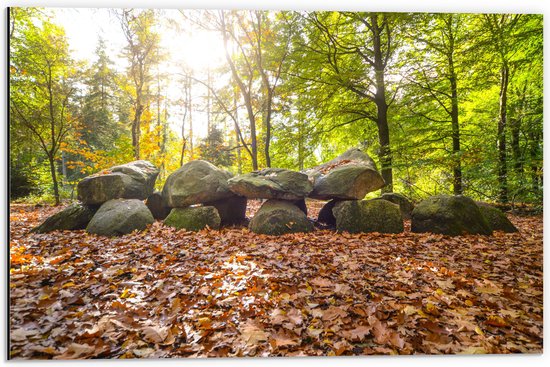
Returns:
<point x="534" y="151"/>
<point x="239" y="158"/>
<point x="54" y="179"/>
<point x="208" y="112"/>
<point x="457" y="166"/>
<point x="136" y="130"/>
<point x="268" y="130"/>
<point x="382" y="108"/>
<point x="300" y="147"/>
<point x="190" y="109"/>
<point x="515" y="126"/>
<point x="501" y="135"/>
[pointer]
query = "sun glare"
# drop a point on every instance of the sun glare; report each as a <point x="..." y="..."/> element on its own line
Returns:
<point x="200" y="50"/>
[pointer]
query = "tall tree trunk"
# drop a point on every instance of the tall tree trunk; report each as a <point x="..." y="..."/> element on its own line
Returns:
<point x="382" y="108"/>
<point x="253" y="140"/>
<point x="457" y="166"/>
<point x="208" y="112"/>
<point x="54" y="179"/>
<point x="534" y="151"/>
<point x="136" y="130"/>
<point x="515" y="126"/>
<point x="501" y="135"/>
<point x="239" y="158"/>
<point x="268" y="130"/>
<point x="300" y="147"/>
<point x="190" y="109"/>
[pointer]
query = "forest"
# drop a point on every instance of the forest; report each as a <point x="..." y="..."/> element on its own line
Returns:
<point x="445" y="103"/>
<point x="249" y="183"/>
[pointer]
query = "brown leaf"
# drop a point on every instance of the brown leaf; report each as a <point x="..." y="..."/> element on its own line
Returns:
<point x="285" y="339"/>
<point x="155" y="334"/>
<point x="321" y="282"/>
<point x="252" y="333"/>
<point x="357" y="334"/>
<point x="332" y="313"/>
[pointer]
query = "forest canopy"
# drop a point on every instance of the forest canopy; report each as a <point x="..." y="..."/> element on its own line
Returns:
<point x="444" y="103"/>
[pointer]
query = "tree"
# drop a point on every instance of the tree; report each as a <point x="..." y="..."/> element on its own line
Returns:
<point x="214" y="149"/>
<point x="435" y="81"/>
<point x="356" y="50"/>
<point x="42" y="85"/>
<point x="141" y="51"/>
<point x="99" y="126"/>
<point x="503" y="38"/>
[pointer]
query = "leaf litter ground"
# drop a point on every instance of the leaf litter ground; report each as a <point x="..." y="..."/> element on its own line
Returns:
<point x="164" y="293"/>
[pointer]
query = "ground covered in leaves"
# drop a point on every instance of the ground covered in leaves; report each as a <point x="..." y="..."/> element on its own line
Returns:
<point x="167" y="293"/>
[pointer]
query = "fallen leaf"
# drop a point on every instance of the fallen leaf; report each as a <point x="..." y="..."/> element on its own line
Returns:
<point x="155" y="334"/>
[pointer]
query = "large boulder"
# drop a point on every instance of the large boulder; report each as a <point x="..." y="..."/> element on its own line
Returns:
<point x="450" y="215"/>
<point x="134" y="180"/>
<point x="158" y="206"/>
<point x="272" y="183"/>
<point x="356" y="216"/>
<point x="496" y="218"/>
<point x="73" y="217"/>
<point x="405" y="204"/>
<point x="196" y="182"/>
<point x="350" y="176"/>
<point x="276" y="217"/>
<point x="193" y="218"/>
<point x="120" y="216"/>
<point x="232" y="210"/>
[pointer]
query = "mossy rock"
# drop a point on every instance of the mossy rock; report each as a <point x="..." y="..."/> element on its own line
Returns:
<point x="357" y="216"/>
<point x="232" y="210"/>
<point x="120" y="216"/>
<point x="449" y="215"/>
<point x="496" y="218"/>
<point x="277" y="217"/>
<point x="405" y="205"/>
<point x="194" y="218"/>
<point x="134" y="180"/>
<point x="196" y="182"/>
<point x="73" y="217"/>
<point x="350" y="176"/>
<point x="272" y="183"/>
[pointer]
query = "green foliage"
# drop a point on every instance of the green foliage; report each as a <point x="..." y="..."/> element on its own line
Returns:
<point x="296" y="89"/>
<point x="213" y="149"/>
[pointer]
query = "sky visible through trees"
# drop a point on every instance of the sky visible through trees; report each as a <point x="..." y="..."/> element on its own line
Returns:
<point x="444" y="103"/>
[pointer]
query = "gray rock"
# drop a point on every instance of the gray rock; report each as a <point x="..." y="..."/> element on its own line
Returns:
<point x="120" y="216"/>
<point x="496" y="218"/>
<point x="73" y="217"/>
<point x="196" y="182"/>
<point x="232" y="210"/>
<point x="405" y="205"/>
<point x="134" y="180"/>
<point x="356" y="216"/>
<point x="349" y="176"/>
<point x="450" y="215"/>
<point x="158" y="206"/>
<point x="276" y="217"/>
<point x="272" y="183"/>
<point x="193" y="218"/>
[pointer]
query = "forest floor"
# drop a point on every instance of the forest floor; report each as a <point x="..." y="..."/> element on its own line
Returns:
<point x="164" y="293"/>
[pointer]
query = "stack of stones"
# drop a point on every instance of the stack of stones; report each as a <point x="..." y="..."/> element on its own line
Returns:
<point x="200" y="195"/>
<point x="197" y="196"/>
<point x="110" y="202"/>
<point x="285" y="209"/>
<point x="345" y="181"/>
